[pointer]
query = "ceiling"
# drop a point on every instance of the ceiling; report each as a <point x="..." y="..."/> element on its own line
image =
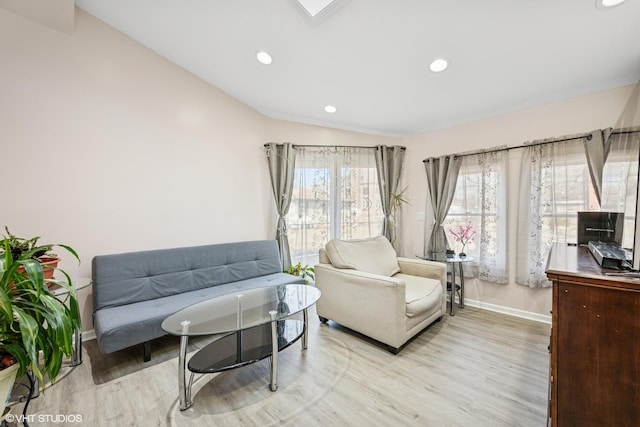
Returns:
<point x="370" y="58"/>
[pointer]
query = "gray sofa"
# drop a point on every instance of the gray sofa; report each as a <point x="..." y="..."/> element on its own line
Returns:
<point x="134" y="292"/>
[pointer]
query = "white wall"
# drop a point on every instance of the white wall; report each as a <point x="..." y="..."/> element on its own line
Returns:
<point x="108" y="147"/>
<point x="576" y="115"/>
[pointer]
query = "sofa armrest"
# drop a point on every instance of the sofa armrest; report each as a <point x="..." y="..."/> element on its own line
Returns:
<point x="371" y="304"/>
<point x="422" y="268"/>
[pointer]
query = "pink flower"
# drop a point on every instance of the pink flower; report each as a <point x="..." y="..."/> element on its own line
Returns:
<point x="464" y="235"/>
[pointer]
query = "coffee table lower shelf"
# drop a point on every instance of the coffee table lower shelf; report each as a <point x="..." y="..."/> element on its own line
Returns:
<point x="237" y="349"/>
<point x="244" y="347"/>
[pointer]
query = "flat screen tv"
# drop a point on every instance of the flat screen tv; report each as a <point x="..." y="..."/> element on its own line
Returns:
<point x="600" y="227"/>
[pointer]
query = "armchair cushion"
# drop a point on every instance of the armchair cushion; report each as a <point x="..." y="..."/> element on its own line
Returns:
<point x="375" y="256"/>
<point x="421" y="294"/>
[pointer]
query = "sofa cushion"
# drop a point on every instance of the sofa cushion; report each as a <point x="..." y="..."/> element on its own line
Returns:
<point x="375" y="255"/>
<point x="421" y="294"/>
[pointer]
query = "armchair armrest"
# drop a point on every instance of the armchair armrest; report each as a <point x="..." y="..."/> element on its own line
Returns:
<point x="418" y="267"/>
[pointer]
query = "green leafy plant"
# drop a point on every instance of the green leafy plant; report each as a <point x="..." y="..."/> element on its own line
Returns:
<point x="306" y="272"/>
<point x="36" y="328"/>
<point x="398" y="200"/>
<point x="19" y="246"/>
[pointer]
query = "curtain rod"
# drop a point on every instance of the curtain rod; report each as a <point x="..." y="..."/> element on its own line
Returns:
<point x="340" y="146"/>
<point x="496" y="150"/>
<point x="533" y="144"/>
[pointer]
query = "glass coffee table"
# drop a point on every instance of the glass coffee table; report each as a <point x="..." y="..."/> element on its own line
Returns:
<point x="252" y="325"/>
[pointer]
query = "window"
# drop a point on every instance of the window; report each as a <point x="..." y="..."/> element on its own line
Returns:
<point x="335" y="195"/>
<point x="567" y="190"/>
<point x="480" y="201"/>
<point x="554" y="185"/>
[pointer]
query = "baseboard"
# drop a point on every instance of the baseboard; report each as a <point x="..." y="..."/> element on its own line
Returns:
<point x="537" y="317"/>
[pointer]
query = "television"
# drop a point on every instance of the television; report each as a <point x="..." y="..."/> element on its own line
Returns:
<point x="600" y="227"/>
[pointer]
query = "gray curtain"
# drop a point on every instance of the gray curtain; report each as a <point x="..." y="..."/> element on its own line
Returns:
<point x="389" y="167"/>
<point x="281" y="158"/>
<point x="596" y="148"/>
<point x="442" y="176"/>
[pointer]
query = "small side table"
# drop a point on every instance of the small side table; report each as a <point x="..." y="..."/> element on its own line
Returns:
<point x="455" y="261"/>
<point x="59" y="292"/>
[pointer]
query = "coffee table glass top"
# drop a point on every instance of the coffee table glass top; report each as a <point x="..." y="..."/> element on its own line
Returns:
<point x="241" y="310"/>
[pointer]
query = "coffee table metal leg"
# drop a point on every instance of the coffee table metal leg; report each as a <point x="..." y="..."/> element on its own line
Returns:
<point x="452" y="299"/>
<point x="183" y="391"/>
<point x="274" y="351"/>
<point x="76" y="353"/>
<point x="189" y="387"/>
<point x="305" y="334"/>
<point x="461" y="286"/>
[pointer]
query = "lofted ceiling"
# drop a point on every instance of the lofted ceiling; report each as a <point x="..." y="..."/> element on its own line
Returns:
<point x="370" y="58"/>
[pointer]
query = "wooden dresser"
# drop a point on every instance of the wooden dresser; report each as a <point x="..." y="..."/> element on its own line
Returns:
<point x="595" y="343"/>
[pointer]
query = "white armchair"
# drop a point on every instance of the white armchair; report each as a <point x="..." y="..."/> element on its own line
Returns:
<point x="368" y="289"/>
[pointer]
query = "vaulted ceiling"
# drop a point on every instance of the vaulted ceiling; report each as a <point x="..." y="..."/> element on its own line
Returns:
<point x="370" y="58"/>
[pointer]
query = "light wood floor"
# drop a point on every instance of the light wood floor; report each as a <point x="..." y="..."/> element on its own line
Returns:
<point x="475" y="369"/>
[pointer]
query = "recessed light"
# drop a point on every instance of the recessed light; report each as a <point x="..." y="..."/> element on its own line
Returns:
<point x="438" y="65"/>
<point x="607" y="4"/>
<point x="264" y="57"/>
<point x="330" y="109"/>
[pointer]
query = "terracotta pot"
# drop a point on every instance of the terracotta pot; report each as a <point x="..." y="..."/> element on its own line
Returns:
<point x="48" y="266"/>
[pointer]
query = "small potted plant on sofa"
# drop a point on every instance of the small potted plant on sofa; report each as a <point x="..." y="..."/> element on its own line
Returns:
<point x="36" y="328"/>
<point x="304" y="271"/>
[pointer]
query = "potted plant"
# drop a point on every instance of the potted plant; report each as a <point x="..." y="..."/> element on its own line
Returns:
<point x="43" y="254"/>
<point x="465" y="235"/>
<point x="306" y="272"/>
<point x="36" y="328"/>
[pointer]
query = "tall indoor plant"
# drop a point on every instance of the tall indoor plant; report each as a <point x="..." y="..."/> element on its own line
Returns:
<point x="398" y="200"/>
<point x="36" y="328"/>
